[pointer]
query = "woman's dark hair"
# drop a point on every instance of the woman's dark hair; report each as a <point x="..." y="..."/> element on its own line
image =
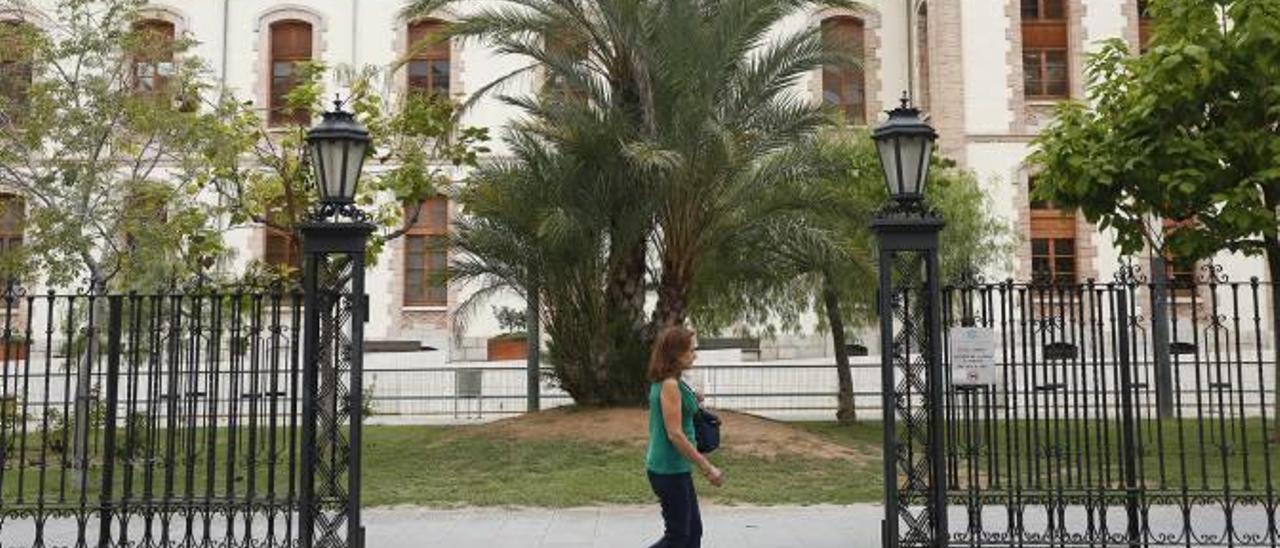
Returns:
<point x="664" y="361"/>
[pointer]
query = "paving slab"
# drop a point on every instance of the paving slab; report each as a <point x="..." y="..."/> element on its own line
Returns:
<point x="622" y="527"/>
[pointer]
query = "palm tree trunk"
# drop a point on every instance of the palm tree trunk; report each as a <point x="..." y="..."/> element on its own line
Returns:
<point x="621" y="377"/>
<point x="846" y="410"/>
<point x="673" y="296"/>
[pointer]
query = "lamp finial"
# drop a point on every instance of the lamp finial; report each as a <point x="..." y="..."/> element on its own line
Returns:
<point x="906" y="99"/>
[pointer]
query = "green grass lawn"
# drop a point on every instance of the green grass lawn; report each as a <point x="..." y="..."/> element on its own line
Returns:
<point x="431" y="466"/>
<point x="1204" y="455"/>
<point x="461" y="466"/>
<point x="442" y="466"/>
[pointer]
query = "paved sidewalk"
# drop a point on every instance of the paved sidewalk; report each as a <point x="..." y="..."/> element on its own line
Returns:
<point x="622" y="527"/>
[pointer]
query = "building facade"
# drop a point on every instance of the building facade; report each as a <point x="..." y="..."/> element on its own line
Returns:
<point x="986" y="72"/>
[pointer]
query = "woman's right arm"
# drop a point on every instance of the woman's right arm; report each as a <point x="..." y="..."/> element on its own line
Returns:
<point x="672" y="418"/>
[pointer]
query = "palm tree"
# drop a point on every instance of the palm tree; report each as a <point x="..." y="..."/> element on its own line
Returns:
<point x="602" y="70"/>
<point x="525" y="233"/>
<point x="700" y="96"/>
<point x="603" y="66"/>
<point x="726" y="104"/>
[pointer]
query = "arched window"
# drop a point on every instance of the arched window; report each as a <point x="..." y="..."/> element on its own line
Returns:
<point x="15" y="67"/>
<point x="152" y="55"/>
<point x="1045" y="73"/>
<point x="429" y="64"/>
<point x="843" y="86"/>
<point x="290" y="47"/>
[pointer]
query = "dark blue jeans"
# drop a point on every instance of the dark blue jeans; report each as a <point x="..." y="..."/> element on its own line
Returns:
<point x="679" y="510"/>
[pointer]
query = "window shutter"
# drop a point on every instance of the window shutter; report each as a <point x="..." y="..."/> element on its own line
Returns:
<point x="13" y="216"/>
<point x="153" y="55"/>
<point x="291" y="40"/>
<point x="845" y="86"/>
<point x="1044" y="49"/>
<point x="426" y="255"/>
<point x="429" y="67"/>
<point x="290" y="46"/>
<point x="15" y="69"/>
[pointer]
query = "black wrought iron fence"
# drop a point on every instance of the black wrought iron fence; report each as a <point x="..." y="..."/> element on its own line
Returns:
<point x="1105" y="427"/>
<point x="150" y="420"/>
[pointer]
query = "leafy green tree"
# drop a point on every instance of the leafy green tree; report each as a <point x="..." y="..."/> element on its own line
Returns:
<point x="125" y="180"/>
<point x="108" y="168"/>
<point x="1187" y="132"/>
<point x="818" y="253"/>
<point x="263" y="175"/>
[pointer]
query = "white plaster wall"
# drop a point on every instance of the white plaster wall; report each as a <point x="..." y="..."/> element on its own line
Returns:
<point x="1107" y="260"/>
<point x="1103" y="19"/>
<point x="378" y="285"/>
<point x="892" y="54"/>
<point x="997" y="166"/>
<point x="986" y="86"/>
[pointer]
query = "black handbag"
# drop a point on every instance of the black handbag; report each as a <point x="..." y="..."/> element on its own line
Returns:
<point x="706" y="428"/>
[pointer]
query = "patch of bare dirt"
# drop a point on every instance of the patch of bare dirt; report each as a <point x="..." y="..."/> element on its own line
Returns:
<point x="740" y="433"/>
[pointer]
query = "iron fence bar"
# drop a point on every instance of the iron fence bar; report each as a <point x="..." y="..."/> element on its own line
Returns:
<point x="1273" y="527"/>
<point x="109" y="425"/>
<point x="1240" y="388"/>
<point x="306" y="496"/>
<point x="251" y="445"/>
<point x="937" y="399"/>
<point x="273" y="457"/>
<point x="1132" y="503"/>
<point x="297" y="399"/>
<point x="889" y="526"/>
<point x="26" y="395"/>
<point x="358" y="303"/>
<point x="45" y="438"/>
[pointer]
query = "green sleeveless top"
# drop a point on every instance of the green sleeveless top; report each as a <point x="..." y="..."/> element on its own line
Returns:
<point x="662" y="456"/>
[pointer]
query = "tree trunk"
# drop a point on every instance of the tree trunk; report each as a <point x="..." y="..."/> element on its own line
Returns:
<point x="673" y="295"/>
<point x="621" y="377"/>
<point x="1160" y="335"/>
<point x="533" y="359"/>
<point x="626" y="284"/>
<point x="846" y="411"/>
<point x="1273" y="269"/>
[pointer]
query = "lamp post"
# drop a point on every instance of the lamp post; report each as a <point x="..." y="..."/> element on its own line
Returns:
<point x="910" y="337"/>
<point x="333" y="245"/>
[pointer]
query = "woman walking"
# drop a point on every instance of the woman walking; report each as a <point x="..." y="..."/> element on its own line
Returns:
<point x="672" y="452"/>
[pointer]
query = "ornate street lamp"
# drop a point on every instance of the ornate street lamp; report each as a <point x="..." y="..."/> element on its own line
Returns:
<point x="905" y="143"/>
<point x="910" y="323"/>
<point x="338" y="147"/>
<point x="334" y="239"/>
